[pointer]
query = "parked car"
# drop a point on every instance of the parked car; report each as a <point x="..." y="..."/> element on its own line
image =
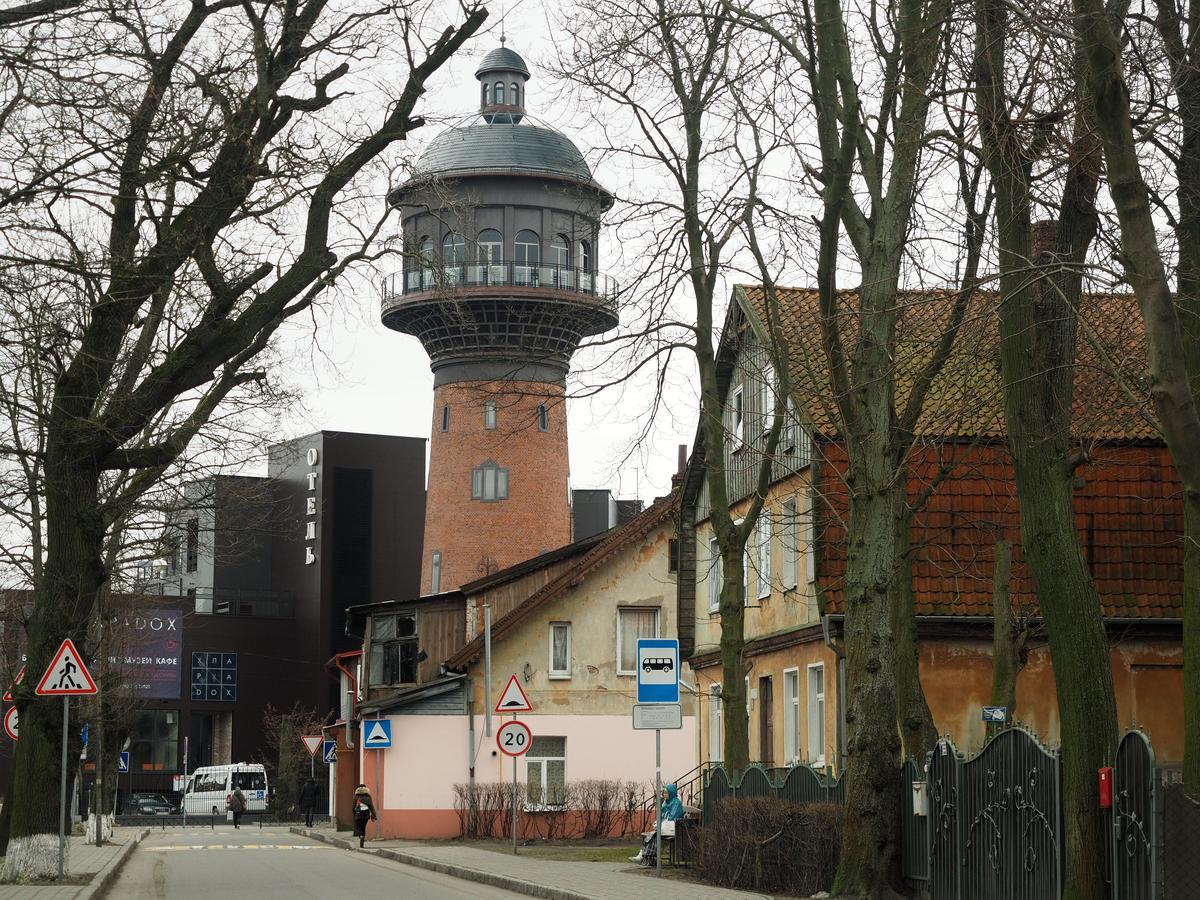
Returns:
<point x="143" y="804"/>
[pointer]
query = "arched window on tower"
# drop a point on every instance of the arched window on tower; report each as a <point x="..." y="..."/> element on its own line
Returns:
<point x="499" y="93"/>
<point x="491" y="257"/>
<point x="454" y="255"/>
<point x="425" y="261"/>
<point x="528" y="257"/>
<point x="560" y="259"/>
<point x="446" y="417"/>
<point x="583" y="260"/>
<point x="489" y="482"/>
<point x="489" y="414"/>
<point x="487" y="94"/>
<point x="516" y="94"/>
<point x="543" y="418"/>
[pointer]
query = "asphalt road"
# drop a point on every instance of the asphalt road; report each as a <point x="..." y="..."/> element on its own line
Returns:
<point x="182" y="864"/>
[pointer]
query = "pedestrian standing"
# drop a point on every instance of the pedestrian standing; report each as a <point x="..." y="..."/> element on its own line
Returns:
<point x="364" y="809"/>
<point x="308" y="800"/>
<point x="237" y="804"/>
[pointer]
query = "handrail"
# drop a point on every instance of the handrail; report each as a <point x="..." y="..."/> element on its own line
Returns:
<point x="418" y="279"/>
<point x="685" y="784"/>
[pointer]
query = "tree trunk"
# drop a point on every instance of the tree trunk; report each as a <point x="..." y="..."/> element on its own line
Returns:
<point x="917" y="729"/>
<point x="1191" y="649"/>
<point x="873" y="745"/>
<point x="734" y="718"/>
<point x="74" y="575"/>
<point x="1007" y="644"/>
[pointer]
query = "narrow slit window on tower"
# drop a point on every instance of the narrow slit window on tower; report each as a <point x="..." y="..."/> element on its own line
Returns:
<point x="499" y="93"/>
<point x="516" y="94"/>
<point x="435" y="573"/>
<point x="489" y="414"/>
<point x="446" y="417"/>
<point x="487" y="93"/>
<point x="489" y="482"/>
<point x="543" y="418"/>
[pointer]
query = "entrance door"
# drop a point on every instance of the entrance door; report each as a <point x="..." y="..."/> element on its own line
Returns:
<point x="766" y="721"/>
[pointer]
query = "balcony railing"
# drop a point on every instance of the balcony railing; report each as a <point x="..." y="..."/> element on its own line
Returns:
<point x="426" y="278"/>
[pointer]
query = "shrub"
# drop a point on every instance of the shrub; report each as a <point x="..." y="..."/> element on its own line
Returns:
<point x="768" y="844"/>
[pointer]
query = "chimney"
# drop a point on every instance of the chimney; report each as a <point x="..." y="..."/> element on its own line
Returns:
<point x="677" y="478"/>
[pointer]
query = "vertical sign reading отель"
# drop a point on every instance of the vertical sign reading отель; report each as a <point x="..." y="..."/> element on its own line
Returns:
<point x="310" y="508"/>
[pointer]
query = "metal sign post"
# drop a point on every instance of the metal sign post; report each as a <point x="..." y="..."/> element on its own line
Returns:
<point x="657" y="683"/>
<point x="514" y="739"/>
<point x="658" y="801"/>
<point x="62" y="679"/>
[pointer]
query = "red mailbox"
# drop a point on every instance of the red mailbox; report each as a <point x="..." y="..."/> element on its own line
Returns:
<point x="1106" y="787"/>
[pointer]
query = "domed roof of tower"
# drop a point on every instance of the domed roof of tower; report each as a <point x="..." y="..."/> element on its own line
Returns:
<point x="502" y="147"/>
<point x="502" y="59"/>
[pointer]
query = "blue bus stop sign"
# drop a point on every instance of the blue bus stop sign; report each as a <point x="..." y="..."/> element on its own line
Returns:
<point x="657" y="670"/>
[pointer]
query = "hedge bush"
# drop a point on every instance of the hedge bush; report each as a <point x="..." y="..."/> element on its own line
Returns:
<point x="768" y="844"/>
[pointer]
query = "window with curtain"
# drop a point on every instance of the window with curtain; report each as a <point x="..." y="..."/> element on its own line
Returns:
<point x="489" y="482"/>
<point x="393" y="652"/>
<point x="714" y="723"/>
<point x="816" y="715"/>
<point x="789" y="539"/>
<point x="714" y="575"/>
<point x="560" y="649"/>
<point x="633" y="623"/>
<point x="791" y="715"/>
<point x="546" y="772"/>
<point x="763" y="548"/>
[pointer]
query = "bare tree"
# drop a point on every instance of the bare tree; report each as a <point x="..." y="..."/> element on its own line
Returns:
<point x="198" y="171"/>
<point x="1171" y="318"/>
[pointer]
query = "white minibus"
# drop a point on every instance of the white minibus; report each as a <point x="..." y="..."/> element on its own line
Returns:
<point x="209" y="788"/>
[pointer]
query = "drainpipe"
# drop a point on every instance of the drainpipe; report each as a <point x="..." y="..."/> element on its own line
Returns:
<point x="840" y="652"/>
<point x="354" y="697"/>
<point x="487" y="670"/>
<point x="471" y="732"/>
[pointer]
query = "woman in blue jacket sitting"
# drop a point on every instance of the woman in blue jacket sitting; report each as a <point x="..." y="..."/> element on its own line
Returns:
<point x="672" y="811"/>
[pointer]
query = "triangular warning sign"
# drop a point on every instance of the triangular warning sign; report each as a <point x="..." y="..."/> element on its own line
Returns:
<point x="312" y="742"/>
<point x="20" y="677"/>
<point x="513" y="699"/>
<point x="378" y="733"/>
<point x="66" y="676"/>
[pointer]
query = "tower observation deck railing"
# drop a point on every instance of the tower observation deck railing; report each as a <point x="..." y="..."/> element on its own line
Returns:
<point x="429" y="278"/>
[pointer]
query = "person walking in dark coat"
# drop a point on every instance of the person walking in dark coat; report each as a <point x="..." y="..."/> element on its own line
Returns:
<point x="364" y="809"/>
<point x="237" y="805"/>
<point x="308" y="801"/>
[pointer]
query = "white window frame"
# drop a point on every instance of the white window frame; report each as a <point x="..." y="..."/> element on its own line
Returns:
<point x="716" y="749"/>
<point x="657" y="633"/>
<point x="766" y="397"/>
<point x="714" y="575"/>
<point x="762" y="529"/>
<point x="559" y="674"/>
<point x="810" y="549"/>
<point x="737" y="417"/>
<point x="815" y="709"/>
<point x="791" y="715"/>
<point x="435" y="572"/>
<point x="790" y="542"/>
<point x="489" y="415"/>
<point x="541" y="761"/>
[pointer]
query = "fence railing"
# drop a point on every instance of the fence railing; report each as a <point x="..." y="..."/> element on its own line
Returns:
<point x="798" y="784"/>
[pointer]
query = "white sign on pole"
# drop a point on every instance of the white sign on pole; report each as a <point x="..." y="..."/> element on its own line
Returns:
<point x="312" y="743"/>
<point x="650" y="716"/>
<point x="514" y="738"/>
<point x="66" y="676"/>
<point x="10" y="723"/>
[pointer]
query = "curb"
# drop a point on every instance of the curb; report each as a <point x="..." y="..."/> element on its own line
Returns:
<point x="102" y="879"/>
<point x="491" y="879"/>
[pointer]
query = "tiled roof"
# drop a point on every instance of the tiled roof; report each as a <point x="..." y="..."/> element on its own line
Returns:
<point x="1129" y="510"/>
<point x="1111" y="395"/>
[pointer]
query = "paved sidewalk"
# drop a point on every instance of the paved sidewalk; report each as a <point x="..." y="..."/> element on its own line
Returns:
<point x="550" y="879"/>
<point x="101" y="863"/>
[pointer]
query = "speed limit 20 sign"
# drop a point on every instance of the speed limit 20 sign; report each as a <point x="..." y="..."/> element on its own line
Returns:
<point x="514" y="738"/>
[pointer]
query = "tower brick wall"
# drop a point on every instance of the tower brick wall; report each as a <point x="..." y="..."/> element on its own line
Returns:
<point x="474" y="536"/>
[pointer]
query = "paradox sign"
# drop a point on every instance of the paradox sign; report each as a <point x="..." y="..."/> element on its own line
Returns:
<point x="657" y="670"/>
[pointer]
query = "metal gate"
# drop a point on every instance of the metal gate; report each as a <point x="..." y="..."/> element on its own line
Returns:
<point x="1136" y="818"/>
<point x="945" y="860"/>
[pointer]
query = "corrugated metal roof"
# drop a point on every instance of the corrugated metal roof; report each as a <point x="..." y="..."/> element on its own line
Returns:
<point x="519" y="149"/>
<point x="505" y="59"/>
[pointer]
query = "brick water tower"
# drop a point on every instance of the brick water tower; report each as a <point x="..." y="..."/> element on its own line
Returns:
<point x="500" y="222"/>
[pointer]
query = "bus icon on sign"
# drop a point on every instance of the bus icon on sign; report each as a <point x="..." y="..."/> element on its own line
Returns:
<point x="662" y="664"/>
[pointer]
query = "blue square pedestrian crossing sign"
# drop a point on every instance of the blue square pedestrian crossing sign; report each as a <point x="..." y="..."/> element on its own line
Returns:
<point x="123" y="762"/>
<point x="377" y="734"/>
<point x="657" y="670"/>
<point x="329" y="752"/>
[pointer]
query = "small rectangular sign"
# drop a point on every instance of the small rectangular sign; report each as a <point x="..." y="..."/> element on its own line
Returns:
<point x="657" y="716"/>
<point x="995" y="713"/>
<point x="657" y="670"/>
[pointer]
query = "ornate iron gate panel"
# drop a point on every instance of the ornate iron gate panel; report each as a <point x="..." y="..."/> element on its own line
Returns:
<point x="1012" y="820"/>
<point x="944" y="777"/>
<point x="914" y="835"/>
<point x="1136" y="816"/>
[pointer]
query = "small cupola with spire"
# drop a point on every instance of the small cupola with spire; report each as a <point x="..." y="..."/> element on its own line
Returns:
<point x="502" y="76"/>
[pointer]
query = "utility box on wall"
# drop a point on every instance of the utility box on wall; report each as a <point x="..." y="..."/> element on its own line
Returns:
<point x="920" y="798"/>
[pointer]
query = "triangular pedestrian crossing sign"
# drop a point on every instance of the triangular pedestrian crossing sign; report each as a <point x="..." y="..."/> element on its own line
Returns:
<point x="66" y="675"/>
<point x="513" y="699"/>
<point x="312" y="743"/>
<point x="20" y="677"/>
